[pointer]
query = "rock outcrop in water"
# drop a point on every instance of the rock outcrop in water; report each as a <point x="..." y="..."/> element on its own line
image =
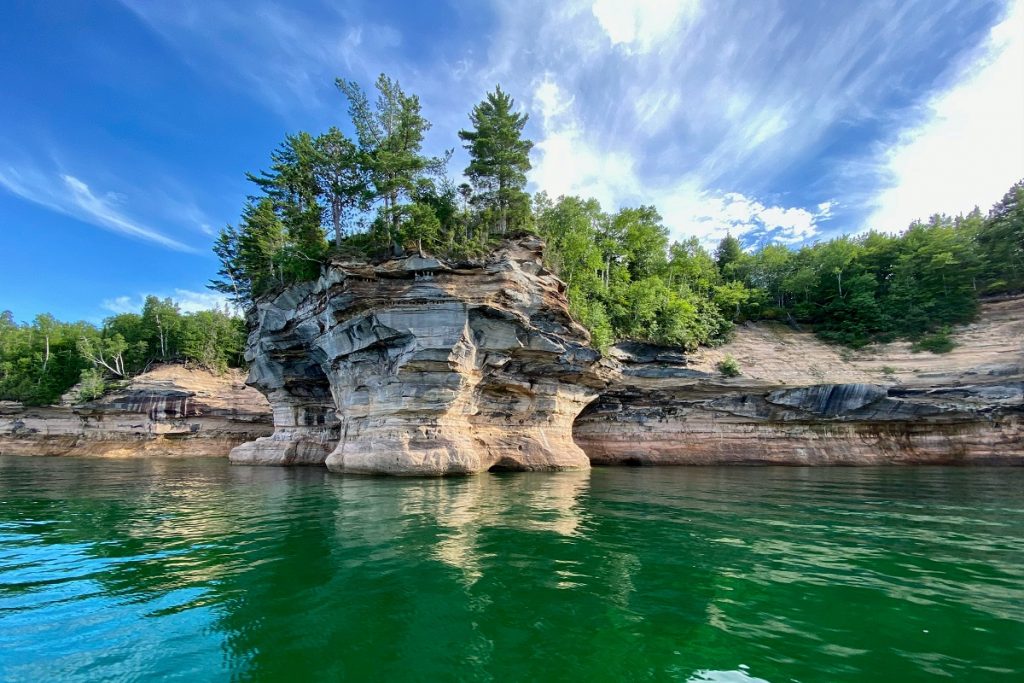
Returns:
<point x="417" y="366"/>
<point x="170" y="410"/>
<point x="800" y="402"/>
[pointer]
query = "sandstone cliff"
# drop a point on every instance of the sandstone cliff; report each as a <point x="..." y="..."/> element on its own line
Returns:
<point x="800" y="401"/>
<point x="420" y="367"/>
<point x="171" y="410"/>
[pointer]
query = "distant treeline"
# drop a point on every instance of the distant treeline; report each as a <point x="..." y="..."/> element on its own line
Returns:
<point x="627" y="281"/>
<point x="41" y="360"/>
<point x="378" y="194"/>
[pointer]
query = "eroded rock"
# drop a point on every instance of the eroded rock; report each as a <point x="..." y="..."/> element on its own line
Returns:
<point x="800" y="402"/>
<point x="421" y="367"/>
<point x="169" y="411"/>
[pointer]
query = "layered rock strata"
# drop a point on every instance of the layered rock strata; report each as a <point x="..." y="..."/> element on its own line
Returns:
<point x="800" y="402"/>
<point x="169" y="411"/>
<point x="417" y="366"/>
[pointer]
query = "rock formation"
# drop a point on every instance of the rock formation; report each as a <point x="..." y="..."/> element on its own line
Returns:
<point x="170" y="410"/>
<point x="421" y="367"/>
<point x="416" y="366"/>
<point x="801" y="402"/>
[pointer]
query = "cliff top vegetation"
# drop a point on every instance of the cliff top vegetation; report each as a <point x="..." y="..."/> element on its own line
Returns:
<point x="377" y="194"/>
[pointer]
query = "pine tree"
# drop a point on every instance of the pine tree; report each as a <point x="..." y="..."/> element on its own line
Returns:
<point x="728" y="253"/>
<point x="342" y="178"/>
<point x="390" y="136"/>
<point x="499" y="158"/>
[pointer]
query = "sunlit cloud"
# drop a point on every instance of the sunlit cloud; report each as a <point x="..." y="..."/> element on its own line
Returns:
<point x="568" y="163"/>
<point x="188" y="301"/>
<point x="970" y="149"/>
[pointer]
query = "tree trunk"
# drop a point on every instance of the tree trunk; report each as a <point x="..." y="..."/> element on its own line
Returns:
<point x="336" y="217"/>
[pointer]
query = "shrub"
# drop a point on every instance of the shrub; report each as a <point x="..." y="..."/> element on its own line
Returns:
<point x="939" y="342"/>
<point x="729" y="367"/>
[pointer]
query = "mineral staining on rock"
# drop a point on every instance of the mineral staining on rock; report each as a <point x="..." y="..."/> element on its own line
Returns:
<point x="170" y="410"/>
<point x="417" y="366"/>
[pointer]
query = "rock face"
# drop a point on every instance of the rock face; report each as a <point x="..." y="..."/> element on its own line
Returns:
<point x="170" y="410"/>
<point x="417" y="366"/>
<point x="800" y="402"/>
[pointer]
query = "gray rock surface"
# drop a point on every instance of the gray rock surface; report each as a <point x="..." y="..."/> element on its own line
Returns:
<point x="169" y="411"/>
<point x="420" y="367"/>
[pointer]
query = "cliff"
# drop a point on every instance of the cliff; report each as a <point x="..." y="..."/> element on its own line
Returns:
<point x="171" y="410"/>
<point x="418" y="366"/>
<point x="800" y="401"/>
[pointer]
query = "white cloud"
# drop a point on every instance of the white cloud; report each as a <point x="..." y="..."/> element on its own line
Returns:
<point x="188" y="301"/>
<point x="569" y="163"/>
<point x="71" y="196"/>
<point x="970" y="149"/>
<point x="284" y="56"/>
<point x="642" y="24"/>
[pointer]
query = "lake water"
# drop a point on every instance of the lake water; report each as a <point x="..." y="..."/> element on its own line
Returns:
<point x="196" y="570"/>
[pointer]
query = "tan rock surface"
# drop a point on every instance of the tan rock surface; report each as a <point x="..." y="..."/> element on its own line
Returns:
<point x="417" y="366"/>
<point x="170" y="411"/>
<point x="800" y="401"/>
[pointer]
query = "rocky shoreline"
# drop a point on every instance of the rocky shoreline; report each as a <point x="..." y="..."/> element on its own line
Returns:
<point x="417" y="366"/>
<point x="169" y="411"/>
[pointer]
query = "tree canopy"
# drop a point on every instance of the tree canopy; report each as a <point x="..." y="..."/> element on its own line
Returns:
<point x="378" y="193"/>
<point x="43" y="359"/>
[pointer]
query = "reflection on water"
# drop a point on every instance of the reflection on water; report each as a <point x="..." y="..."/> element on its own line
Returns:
<point x="200" y="571"/>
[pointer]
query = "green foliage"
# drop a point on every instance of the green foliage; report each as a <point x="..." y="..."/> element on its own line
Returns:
<point x="499" y="158"/>
<point x="379" y="194"/>
<point x="937" y="342"/>
<point x="729" y="367"/>
<point x="91" y="385"/>
<point x="621" y="283"/>
<point x="728" y="256"/>
<point x="41" y="360"/>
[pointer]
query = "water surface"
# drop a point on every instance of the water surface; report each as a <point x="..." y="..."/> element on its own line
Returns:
<point x="196" y="570"/>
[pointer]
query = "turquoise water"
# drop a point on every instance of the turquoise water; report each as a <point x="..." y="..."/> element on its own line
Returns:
<point x="195" y="570"/>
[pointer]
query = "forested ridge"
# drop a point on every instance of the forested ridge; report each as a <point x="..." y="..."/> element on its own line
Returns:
<point x="377" y="194"/>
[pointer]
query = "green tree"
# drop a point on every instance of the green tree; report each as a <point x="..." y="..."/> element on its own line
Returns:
<point x="161" y="322"/>
<point x="342" y="179"/>
<point x="499" y="158"/>
<point x="727" y="255"/>
<point x="390" y="136"/>
<point x="643" y="239"/>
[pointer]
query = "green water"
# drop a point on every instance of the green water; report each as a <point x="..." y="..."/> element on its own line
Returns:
<point x="195" y="570"/>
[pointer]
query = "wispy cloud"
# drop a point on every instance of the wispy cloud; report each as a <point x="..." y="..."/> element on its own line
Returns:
<point x="188" y="301"/>
<point x="71" y="196"/>
<point x="970" y="149"/>
<point x="701" y="108"/>
<point x="283" y="56"/>
<point x="569" y="163"/>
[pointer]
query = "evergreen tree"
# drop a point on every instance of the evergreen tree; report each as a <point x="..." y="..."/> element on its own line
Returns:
<point x="390" y="136"/>
<point x="499" y="158"/>
<point x="342" y="179"/>
<point x="727" y="255"/>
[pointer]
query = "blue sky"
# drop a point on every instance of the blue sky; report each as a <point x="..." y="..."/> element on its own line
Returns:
<point x="127" y="127"/>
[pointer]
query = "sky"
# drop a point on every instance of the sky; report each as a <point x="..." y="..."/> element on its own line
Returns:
<point x="126" y="128"/>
